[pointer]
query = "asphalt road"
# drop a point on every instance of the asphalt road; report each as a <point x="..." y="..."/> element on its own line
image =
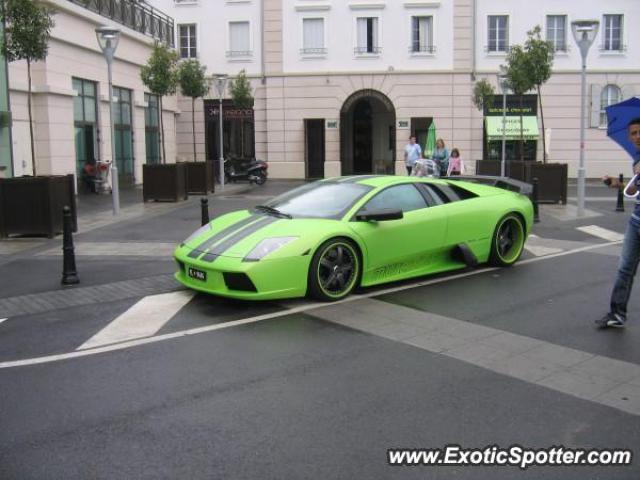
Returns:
<point x="301" y="391"/>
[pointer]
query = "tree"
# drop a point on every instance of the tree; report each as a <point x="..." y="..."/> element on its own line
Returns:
<point x="540" y="53"/>
<point x="483" y="93"/>
<point x="242" y="97"/>
<point x="194" y="84"/>
<point x="161" y="78"/>
<point x="520" y="81"/>
<point x="241" y="92"/>
<point x="27" y="34"/>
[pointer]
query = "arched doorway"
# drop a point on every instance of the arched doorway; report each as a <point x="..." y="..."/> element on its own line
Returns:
<point x="367" y="133"/>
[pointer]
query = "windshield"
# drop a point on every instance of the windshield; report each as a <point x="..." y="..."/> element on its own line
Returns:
<point x="320" y="199"/>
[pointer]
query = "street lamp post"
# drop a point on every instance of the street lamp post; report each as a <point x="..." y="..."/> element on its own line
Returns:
<point x="108" y="40"/>
<point x="584" y="33"/>
<point x="221" y="85"/>
<point x="502" y="80"/>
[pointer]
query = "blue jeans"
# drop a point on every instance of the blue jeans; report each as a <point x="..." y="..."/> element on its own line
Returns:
<point x="627" y="268"/>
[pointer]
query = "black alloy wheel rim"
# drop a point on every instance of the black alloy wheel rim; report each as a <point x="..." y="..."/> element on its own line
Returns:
<point x="337" y="269"/>
<point x="509" y="240"/>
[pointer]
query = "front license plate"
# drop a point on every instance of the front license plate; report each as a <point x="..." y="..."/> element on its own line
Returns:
<point x="197" y="274"/>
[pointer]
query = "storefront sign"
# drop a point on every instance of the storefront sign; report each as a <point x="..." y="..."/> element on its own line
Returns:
<point x="512" y="130"/>
<point x="331" y="124"/>
<point x="229" y="111"/>
<point x="403" y="124"/>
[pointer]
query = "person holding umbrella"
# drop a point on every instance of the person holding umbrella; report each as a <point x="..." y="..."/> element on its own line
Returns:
<point x="629" y="137"/>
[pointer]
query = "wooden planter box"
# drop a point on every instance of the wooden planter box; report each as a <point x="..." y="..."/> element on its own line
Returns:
<point x="164" y="182"/>
<point x="513" y="168"/>
<point x="33" y="205"/>
<point x="199" y="177"/>
<point x="552" y="181"/>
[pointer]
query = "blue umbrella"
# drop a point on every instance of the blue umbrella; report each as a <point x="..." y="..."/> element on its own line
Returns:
<point x="619" y="116"/>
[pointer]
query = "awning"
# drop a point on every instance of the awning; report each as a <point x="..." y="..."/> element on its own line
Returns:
<point x="529" y="123"/>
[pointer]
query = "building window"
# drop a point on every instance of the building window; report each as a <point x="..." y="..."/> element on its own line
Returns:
<point x="187" y="40"/>
<point x="612" y="33"/>
<point x="367" y="31"/>
<point x="557" y="32"/>
<point x="422" y="34"/>
<point x="498" y="40"/>
<point x="85" y="125"/>
<point x="151" y="130"/>
<point x="123" y="134"/>
<point x="610" y="94"/>
<point x="239" y="40"/>
<point x="313" y="36"/>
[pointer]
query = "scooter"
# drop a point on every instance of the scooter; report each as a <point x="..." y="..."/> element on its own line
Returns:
<point x="253" y="170"/>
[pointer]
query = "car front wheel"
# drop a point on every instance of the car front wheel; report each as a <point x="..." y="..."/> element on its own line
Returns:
<point x="334" y="270"/>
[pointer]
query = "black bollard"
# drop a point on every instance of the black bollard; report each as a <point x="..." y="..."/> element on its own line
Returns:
<point x="534" y="200"/>
<point x="69" y="274"/>
<point x="204" y="206"/>
<point x="620" y="204"/>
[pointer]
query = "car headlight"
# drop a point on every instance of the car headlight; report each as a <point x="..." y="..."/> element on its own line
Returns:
<point x="266" y="246"/>
<point x="198" y="232"/>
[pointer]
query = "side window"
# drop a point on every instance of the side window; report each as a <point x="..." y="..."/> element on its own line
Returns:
<point x="404" y="197"/>
<point x="449" y="193"/>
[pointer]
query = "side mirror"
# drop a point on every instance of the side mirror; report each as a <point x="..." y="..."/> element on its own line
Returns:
<point x="379" y="215"/>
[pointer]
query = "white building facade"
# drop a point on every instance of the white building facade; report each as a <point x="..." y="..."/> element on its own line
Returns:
<point x="340" y="85"/>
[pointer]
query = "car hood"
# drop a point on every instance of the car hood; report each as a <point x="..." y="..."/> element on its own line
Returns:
<point x="237" y="233"/>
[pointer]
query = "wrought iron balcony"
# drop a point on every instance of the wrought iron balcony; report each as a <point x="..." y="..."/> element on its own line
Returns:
<point x="422" y="49"/>
<point x="313" y="51"/>
<point x="367" y="50"/>
<point x="137" y="15"/>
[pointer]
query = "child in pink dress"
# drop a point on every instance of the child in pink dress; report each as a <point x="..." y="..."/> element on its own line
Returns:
<point x="456" y="166"/>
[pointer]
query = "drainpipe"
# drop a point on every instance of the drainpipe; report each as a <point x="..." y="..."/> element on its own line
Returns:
<point x="262" y="73"/>
<point x="473" y="40"/>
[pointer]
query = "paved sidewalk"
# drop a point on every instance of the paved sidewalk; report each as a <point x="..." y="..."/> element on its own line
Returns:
<point x="112" y="251"/>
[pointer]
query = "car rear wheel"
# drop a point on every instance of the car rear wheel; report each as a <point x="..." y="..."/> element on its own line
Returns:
<point x="508" y="241"/>
<point x="334" y="270"/>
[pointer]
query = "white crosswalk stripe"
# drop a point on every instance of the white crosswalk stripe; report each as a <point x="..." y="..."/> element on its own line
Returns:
<point x="144" y="319"/>
<point x="600" y="232"/>
<point x="3" y="319"/>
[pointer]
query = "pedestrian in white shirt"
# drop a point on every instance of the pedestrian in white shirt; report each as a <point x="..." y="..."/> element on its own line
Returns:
<point x="412" y="152"/>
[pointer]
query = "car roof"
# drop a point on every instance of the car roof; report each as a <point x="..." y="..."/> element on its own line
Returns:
<point x="382" y="180"/>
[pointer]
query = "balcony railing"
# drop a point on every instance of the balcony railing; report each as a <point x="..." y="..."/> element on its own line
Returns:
<point x="613" y="47"/>
<point x="367" y="50"/>
<point x="422" y="49"/>
<point x="136" y="15"/>
<point x="239" y="53"/>
<point x="313" y="51"/>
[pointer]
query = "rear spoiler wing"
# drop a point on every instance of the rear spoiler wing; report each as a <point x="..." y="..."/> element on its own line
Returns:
<point x="505" y="183"/>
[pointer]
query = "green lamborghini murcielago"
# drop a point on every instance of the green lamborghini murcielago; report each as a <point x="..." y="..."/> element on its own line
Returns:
<point x="328" y="237"/>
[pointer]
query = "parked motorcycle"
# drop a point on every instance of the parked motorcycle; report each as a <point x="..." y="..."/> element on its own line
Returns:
<point x="255" y="171"/>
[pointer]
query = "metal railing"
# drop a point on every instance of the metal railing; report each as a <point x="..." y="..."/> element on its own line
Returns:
<point x="422" y="49"/>
<point x="313" y="51"/>
<point x="136" y="15"/>
<point x="239" y="53"/>
<point x="497" y="48"/>
<point x="367" y="50"/>
<point x="613" y="47"/>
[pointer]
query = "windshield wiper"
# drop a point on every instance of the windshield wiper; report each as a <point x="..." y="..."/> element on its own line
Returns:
<point x="272" y="211"/>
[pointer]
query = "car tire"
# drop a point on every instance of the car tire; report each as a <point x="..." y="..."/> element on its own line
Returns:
<point x="507" y="241"/>
<point x="334" y="271"/>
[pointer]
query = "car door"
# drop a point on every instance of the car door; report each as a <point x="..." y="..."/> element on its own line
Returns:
<point x="404" y="247"/>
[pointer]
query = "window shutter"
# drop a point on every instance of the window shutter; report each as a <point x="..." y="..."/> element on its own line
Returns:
<point x="628" y="91"/>
<point x="362" y="33"/>
<point x="596" y="90"/>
